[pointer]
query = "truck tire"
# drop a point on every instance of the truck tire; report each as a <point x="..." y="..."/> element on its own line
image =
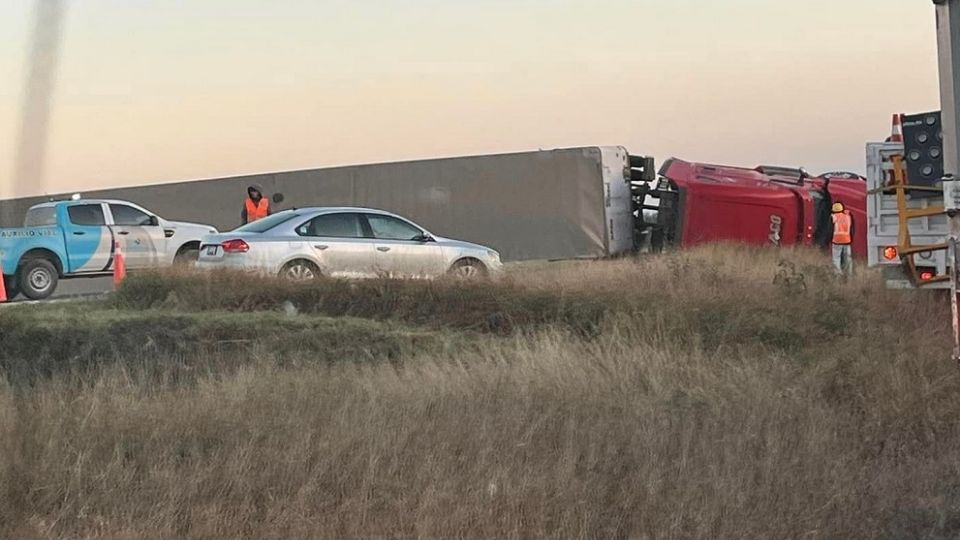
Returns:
<point x="11" y="287"/>
<point x="37" y="278"/>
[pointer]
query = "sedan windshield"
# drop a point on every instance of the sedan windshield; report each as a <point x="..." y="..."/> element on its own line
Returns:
<point x="267" y="223"/>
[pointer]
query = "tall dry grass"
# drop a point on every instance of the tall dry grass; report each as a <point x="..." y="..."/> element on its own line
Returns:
<point x="707" y="401"/>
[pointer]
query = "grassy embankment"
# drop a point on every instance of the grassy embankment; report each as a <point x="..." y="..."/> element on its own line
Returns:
<point x="690" y="395"/>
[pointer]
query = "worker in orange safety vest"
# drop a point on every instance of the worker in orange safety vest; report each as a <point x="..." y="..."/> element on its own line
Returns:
<point x="255" y="206"/>
<point x="842" y="239"/>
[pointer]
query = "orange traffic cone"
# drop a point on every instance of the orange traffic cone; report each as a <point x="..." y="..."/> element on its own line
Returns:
<point x="3" y="287"/>
<point x="896" y="132"/>
<point x="119" y="264"/>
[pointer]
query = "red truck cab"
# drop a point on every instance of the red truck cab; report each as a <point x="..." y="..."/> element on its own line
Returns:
<point x="701" y="203"/>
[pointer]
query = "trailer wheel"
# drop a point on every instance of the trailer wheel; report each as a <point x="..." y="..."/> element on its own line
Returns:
<point x="37" y="278"/>
<point x="10" y="286"/>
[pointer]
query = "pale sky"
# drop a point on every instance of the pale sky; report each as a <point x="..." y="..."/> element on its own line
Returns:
<point x="162" y="90"/>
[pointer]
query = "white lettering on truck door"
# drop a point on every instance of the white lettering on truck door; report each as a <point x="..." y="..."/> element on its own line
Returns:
<point x="776" y="223"/>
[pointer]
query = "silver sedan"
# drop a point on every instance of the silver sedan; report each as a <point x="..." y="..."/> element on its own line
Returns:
<point x="302" y="244"/>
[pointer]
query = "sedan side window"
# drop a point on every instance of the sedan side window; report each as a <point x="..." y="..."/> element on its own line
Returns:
<point x="333" y="226"/>
<point x="86" y="214"/>
<point x="391" y="228"/>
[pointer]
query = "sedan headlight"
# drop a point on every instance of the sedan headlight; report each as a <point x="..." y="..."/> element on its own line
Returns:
<point x="493" y="254"/>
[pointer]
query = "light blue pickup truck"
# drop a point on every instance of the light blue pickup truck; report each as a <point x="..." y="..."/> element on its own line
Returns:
<point x="75" y="238"/>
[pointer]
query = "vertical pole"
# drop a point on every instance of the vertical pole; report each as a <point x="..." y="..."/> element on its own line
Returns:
<point x="29" y="166"/>
<point x="948" y="44"/>
<point x="953" y="261"/>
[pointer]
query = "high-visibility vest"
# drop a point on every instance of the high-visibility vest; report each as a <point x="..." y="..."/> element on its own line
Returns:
<point x="841" y="228"/>
<point x="257" y="210"/>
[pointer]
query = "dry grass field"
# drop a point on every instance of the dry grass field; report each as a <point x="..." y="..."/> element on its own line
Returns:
<point x="725" y="392"/>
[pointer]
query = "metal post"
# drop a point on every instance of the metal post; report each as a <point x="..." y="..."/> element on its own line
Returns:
<point x="31" y="153"/>
<point x="954" y="261"/>
<point x="948" y="42"/>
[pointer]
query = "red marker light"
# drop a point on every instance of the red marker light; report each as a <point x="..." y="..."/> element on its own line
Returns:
<point x="926" y="276"/>
<point x="235" y="246"/>
<point x="890" y="253"/>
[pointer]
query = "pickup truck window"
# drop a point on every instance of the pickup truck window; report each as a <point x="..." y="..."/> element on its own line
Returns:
<point x="42" y="216"/>
<point x="86" y="214"/>
<point x="129" y="216"/>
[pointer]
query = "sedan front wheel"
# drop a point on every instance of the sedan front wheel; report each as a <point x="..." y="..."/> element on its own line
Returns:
<point x="468" y="269"/>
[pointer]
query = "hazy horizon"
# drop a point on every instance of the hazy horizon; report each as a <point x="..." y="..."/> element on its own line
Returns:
<point x="154" y="92"/>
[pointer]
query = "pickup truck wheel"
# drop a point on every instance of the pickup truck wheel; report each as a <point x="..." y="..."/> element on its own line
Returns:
<point x="37" y="278"/>
<point x="187" y="256"/>
<point x="11" y="287"/>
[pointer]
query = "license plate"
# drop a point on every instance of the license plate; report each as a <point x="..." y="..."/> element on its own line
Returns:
<point x="211" y="250"/>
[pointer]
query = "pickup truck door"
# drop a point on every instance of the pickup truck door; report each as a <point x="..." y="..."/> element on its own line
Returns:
<point x="87" y="239"/>
<point x="140" y="234"/>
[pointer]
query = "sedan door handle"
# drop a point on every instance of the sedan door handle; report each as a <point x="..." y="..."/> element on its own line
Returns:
<point x="79" y="233"/>
<point x="321" y="247"/>
<point x="383" y="248"/>
<point x="123" y="232"/>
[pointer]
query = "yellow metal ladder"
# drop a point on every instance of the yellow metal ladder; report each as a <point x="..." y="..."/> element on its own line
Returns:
<point x="905" y="248"/>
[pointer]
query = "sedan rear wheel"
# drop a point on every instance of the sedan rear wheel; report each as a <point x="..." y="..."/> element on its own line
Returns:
<point x="299" y="271"/>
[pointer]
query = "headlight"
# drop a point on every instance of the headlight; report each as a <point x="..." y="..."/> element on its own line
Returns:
<point x="493" y="254"/>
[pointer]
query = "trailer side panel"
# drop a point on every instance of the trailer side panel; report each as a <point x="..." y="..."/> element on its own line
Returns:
<point x="533" y="205"/>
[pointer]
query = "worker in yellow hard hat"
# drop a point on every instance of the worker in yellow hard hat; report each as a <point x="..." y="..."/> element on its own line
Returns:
<point x="842" y="239"/>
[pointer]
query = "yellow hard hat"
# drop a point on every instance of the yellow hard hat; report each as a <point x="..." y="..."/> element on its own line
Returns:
<point x="837" y="207"/>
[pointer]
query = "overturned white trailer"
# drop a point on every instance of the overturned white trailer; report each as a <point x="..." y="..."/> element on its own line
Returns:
<point x="552" y="204"/>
